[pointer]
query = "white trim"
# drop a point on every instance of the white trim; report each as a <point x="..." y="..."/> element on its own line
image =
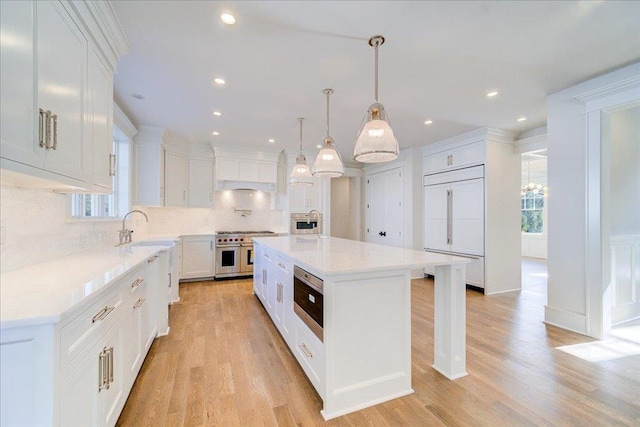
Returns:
<point x="607" y="90"/>
<point x="565" y="319"/>
<point x="122" y="122"/>
<point x="482" y="134"/>
<point x="533" y="143"/>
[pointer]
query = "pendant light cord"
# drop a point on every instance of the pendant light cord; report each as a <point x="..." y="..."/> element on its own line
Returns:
<point x="300" y="120"/>
<point x="376" y="73"/>
<point x="328" y="94"/>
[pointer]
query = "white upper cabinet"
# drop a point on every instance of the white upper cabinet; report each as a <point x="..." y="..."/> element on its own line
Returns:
<point x="201" y="191"/>
<point x="175" y="179"/>
<point x="455" y="158"/>
<point x="101" y="84"/>
<point x="244" y="169"/>
<point x="56" y="107"/>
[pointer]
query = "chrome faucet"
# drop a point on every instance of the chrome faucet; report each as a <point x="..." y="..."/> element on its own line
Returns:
<point x="125" y="235"/>
<point x="311" y="213"/>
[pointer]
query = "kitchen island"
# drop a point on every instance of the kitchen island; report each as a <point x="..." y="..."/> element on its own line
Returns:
<point x="359" y="353"/>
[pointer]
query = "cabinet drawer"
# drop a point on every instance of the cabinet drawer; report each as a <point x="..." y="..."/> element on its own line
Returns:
<point x="77" y="335"/>
<point x="284" y="267"/>
<point x="455" y="158"/>
<point x="309" y="351"/>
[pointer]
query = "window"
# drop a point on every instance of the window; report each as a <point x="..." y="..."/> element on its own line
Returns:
<point x="532" y="211"/>
<point x="106" y="206"/>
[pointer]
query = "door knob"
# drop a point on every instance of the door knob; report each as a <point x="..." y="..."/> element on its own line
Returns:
<point x="383" y="233"/>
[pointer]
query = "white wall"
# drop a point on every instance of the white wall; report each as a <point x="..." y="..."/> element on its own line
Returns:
<point x="567" y="159"/>
<point x="37" y="228"/>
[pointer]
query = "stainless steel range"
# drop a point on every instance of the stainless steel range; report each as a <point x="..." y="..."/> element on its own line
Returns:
<point x="234" y="252"/>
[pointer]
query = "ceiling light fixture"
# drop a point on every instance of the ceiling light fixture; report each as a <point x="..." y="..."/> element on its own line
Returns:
<point x="271" y="140"/>
<point x="492" y="94"/>
<point x="428" y="122"/>
<point x="532" y="187"/>
<point x="219" y="81"/>
<point x="328" y="162"/>
<point x="215" y="132"/>
<point x="217" y="113"/>
<point x="300" y="174"/>
<point x="522" y="119"/>
<point x="375" y="142"/>
<point x="228" y="18"/>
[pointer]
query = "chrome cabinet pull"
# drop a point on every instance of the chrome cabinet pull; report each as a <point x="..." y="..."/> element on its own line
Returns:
<point x="47" y="129"/>
<point x="54" y="117"/>
<point x="110" y="366"/>
<point x="103" y="370"/>
<point x="112" y="164"/>
<point x="169" y="279"/>
<point x="102" y="314"/>
<point x="155" y="257"/>
<point x="100" y="375"/>
<point x="139" y="303"/>
<point x="136" y="283"/>
<point x="184" y="195"/>
<point x="264" y="276"/>
<point x="41" y="129"/>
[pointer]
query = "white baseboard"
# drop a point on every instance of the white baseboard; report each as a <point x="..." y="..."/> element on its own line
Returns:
<point x="565" y="319"/>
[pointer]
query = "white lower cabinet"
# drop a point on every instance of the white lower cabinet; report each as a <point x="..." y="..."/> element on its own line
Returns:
<point x="309" y="351"/>
<point x="198" y="257"/>
<point x="94" y="392"/>
<point x="79" y="372"/>
<point x="284" y="298"/>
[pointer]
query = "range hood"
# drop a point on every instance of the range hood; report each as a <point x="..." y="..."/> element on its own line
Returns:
<point x="226" y="184"/>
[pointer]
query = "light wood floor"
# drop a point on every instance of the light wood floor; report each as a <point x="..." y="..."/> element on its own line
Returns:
<point x="224" y="363"/>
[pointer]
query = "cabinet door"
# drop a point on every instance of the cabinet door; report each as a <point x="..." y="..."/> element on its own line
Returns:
<point x="18" y="113"/>
<point x="435" y="217"/>
<point x="197" y="257"/>
<point x="175" y="179"/>
<point x="437" y="162"/>
<point x="200" y="183"/>
<point x="267" y="172"/>
<point x="135" y="319"/>
<point x="101" y="84"/>
<point x="226" y="169"/>
<point x="258" y="265"/>
<point x="62" y="86"/>
<point x="247" y="170"/>
<point x="79" y="393"/>
<point x="285" y="312"/>
<point x="467" y="229"/>
<point x="111" y="400"/>
<point x="377" y="203"/>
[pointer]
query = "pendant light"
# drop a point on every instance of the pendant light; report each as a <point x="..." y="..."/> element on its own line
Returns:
<point x="375" y="142"/>
<point x="532" y="187"/>
<point x="328" y="162"/>
<point x="300" y="174"/>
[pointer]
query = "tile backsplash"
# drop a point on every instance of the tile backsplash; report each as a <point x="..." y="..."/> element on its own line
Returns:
<point x="234" y="210"/>
<point x="36" y="226"/>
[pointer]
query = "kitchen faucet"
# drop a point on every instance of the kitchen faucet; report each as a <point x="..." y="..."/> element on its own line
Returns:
<point x="125" y="235"/>
<point x="310" y="213"/>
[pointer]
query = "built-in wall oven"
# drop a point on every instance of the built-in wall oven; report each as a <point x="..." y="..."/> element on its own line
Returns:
<point x="234" y="252"/>
<point x="308" y="300"/>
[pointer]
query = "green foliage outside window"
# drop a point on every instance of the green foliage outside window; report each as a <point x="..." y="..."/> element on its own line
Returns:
<point x="532" y="206"/>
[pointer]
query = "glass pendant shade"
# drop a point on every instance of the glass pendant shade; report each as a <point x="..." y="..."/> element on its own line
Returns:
<point x="328" y="162"/>
<point x="300" y="174"/>
<point x="376" y="142"/>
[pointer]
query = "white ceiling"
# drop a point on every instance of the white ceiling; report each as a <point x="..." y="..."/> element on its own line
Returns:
<point x="439" y="61"/>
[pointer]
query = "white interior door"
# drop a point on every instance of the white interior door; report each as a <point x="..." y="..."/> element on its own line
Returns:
<point x="468" y="217"/>
<point x="435" y="217"/>
<point x="377" y="208"/>
<point x="394" y="210"/>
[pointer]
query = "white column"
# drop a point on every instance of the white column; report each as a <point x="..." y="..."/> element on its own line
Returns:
<point x="450" y="321"/>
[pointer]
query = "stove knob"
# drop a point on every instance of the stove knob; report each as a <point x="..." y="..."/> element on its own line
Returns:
<point x="242" y="240"/>
<point x="225" y="240"/>
<point x="235" y="240"/>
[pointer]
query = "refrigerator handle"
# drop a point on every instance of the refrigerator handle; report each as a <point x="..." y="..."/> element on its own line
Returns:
<point x="449" y="217"/>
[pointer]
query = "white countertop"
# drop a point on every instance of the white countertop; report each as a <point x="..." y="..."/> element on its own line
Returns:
<point x="44" y="293"/>
<point x="330" y="255"/>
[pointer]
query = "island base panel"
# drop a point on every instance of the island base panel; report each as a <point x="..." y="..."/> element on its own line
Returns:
<point x="449" y="321"/>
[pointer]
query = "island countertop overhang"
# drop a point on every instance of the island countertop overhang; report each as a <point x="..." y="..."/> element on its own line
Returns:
<point x="334" y="256"/>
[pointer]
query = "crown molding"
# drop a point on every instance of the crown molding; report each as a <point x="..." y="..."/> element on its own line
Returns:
<point x="122" y="122"/>
<point x="610" y="89"/>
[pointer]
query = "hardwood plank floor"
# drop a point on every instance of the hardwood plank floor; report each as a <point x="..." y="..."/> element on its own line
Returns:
<point x="224" y="363"/>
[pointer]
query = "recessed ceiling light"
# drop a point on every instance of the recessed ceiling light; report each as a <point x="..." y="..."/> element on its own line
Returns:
<point x="215" y="132"/>
<point x="228" y="18"/>
<point x="319" y="146"/>
<point x="492" y="94"/>
<point x="137" y="96"/>
<point x="219" y="81"/>
<point x="522" y="119"/>
<point x="217" y="113"/>
<point x="271" y="140"/>
<point x="428" y="122"/>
